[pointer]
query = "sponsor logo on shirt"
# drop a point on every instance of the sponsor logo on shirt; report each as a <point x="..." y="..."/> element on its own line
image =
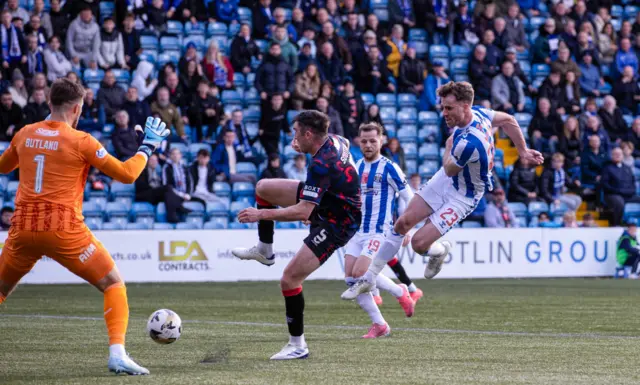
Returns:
<point x="311" y="191"/>
<point x="45" y="132"/>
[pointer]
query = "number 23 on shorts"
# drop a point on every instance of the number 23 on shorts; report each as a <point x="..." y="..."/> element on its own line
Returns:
<point x="449" y="216"/>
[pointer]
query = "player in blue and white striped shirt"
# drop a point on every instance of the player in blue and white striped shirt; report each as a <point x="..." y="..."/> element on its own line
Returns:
<point x="380" y="181"/>
<point x="455" y="190"/>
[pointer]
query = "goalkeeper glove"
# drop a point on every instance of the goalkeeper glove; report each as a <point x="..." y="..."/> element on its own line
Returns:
<point x="155" y="131"/>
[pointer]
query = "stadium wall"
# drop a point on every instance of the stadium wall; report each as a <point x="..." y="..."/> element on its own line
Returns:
<point x="205" y="255"/>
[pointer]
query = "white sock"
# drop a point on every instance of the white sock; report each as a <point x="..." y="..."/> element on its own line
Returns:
<point x="117" y="350"/>
<point x="366" y="302"/>
<point x="388" y="250"/>
<point x="298" y="341"/>
<point x="436" y="250"/>
<point x="412" y="287"/>
<point x="265" y="249"/>
<point x="349" y="281"/>
<point x="385" y="283"/>
<point x="375" y="292"/>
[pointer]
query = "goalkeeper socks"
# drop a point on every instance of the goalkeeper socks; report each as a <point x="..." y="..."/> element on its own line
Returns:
<point x="116" y="312"/>
<point x="385" y="283"/>
<point x="397" y="268"/>
<point x="294" y="308"/>
<point x="265" y="229"/>
<point x="366" y="302"/>
<point x="2" y="298"/>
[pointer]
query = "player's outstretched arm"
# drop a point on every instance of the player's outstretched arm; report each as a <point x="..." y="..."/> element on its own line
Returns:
<point x="511" y="127"/>
<point x="298" y="212"/>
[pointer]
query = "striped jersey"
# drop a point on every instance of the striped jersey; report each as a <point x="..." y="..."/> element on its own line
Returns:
<point x="473" y="150"/>
<point x="379" y="182"/>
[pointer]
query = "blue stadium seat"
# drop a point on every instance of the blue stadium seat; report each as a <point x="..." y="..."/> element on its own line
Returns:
<point x="460" y="66"/>
<point x="522" y="56"/>
<point x="535" y="23"/>
<point x="407" y="100"/>
<point x="138" y="226"/>
<point x="232" y="96"/>
<point x="187" y="226"/>
<point x="149" y="55"/>
<point x="540" y="70"/>
<point x="558" y="210"/>
<point x="93" y="209"/>
<point x="142" y="209"/>
<point x="286" y="225"/>
<point x="91" y="76"/>
<point x="382" y="14"/>
<point x="291" y="114"/>
<point x="252" y="97"/>
<point x="125" y="201"/>
<point x="4" y="146"/>
<point x="471" y="225"/>
<point x="429" y="133"/>
<point x="171" y="56"/>
<point x="243" y="189"/>
<point x="632" y="210"/>
<point x="263" y="45"/>
<point x="460" y="52"/>
<point x="217" y="29"/>
<point x="163" y="226"/>
<point x="428" y="169"/>
<point x="630" y="11"/>
<point x="246" y="168"/>
<point x="417" y="34"/>
<point x="410" y="151"/>
<point x="198" y="40"/>
<point x="221" y="189"/>
<point x="180" y="146"/>
<point x="233" y="30"/>
<point x="106" y="9"/>
<point x="238" y="226"/>
<point x="217" y="209"/>
<point x="438" y="51"/>
<point x="148" y="221"/>
<point x="195" y="147"/>
<point x="239" y="80"/>
<point x="605" y="88"/>
<point x="460" y="77"/>
<point x="195" y="220"/>
<point x="191" y="29"/>
<point x="12" y="188"/>
<point x="149" y="42"/>
<point x="616" y="23"/>
<point x="217" y="224"/>
<point x="407" y="116"/>
<point x="290" y="153"/>
<point x="411" y="166"/>
<point x="407" y="134"/>
<point x="116" y="209"/>
<point x="112" y="226"/>
<point x="4" y="181"/>
<point x="388" y="114"/>
<point x="175" y="28"/>
<point x="518" y="208"/>
<point x="94" y="223"/>
<point x="367" y="99"/>
<point x="428" y="117"/>
<point x="617" y="11"/>
<point x="197" y="208"/>
<point x="386" y="100"/>
<point x="421" y="49"/>
<point x="536" y="208"/>
<point x="379" y="4"/>
<point x="251" y="115"/>
<point x="122" y="76"/>
<point x="123" y="190"/>
<point x="244" y="14"/>
<point x="429" y="151"/>
<point x="236" y="207"/>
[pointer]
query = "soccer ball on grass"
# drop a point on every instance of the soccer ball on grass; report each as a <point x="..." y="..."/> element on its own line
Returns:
<point x="164" y="326"/>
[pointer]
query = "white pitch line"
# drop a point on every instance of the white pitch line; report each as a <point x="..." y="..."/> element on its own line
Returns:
<point x="352" y="327"/>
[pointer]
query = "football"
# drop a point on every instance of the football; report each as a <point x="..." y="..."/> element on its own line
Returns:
<point x="164" y="326"/>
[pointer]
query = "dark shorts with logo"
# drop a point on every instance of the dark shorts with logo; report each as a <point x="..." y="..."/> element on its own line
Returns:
<point x="324" y="237"/>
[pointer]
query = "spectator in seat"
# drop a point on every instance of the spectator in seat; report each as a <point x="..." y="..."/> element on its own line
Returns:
<point x="60" y="19"/>
<point x="168" y="112"/>
<point x="205" y="110"/>
<point x="627" y="249"/>
<point x="299" y="169"/>
<point x="191" y="54"/>
<point x="569" y="37"/>
<point x="11" y="117"/>
<point x="328" y="34"/>
<point x="45" y="19"/>
<point x="279" y="19"/>
<point x="588" y="220"/>
<point x="546" y="44"/>
<point x="330" y="66"/>
<point x="570" y="143"/>
<point x="607" y="44"/>
<point x="545" y="127"/>
<point x="353" y="31"/>
<point x="138" y="110"/>
<point x="429" y="100"/>
<point x="111" y="96"/>
<point x="592" y="162"/>
<point x="18" y="89"/>
<point x="273" y="122"/>
<point x="481" y="74"/>
<point x="38" y="109"/>
<point x="507" y="91"/>
<point x="373" y="25"/>
<point x="273" y="169"/>
<point x="571" y="94"/>
<point x="191" y="11"/>
<point x="612" y="120"/>
<point x="634" y="137"/>
<point x="298" y="21"/>
<point x="57" y="64"/>
<point x="590" y="109"/>
<point x="484" y="18"/>
<point x="594" y="127"/>
<point x="131" y="41"/>
<point x="553" y="90"/>
<point x="374" y="73"/>
<point x="305" y="58"/>
<point x="83" y="40"/>
<point x="17" y="11"/>
<point x="226" y="11"/>
<point x="243" y="142"/>
<point x="412" y="72"/>
<point x="111" y="53"/>
<point x="590" y="79"/>
<point x="335" y="125"/>
<point x="627" y="154"/>
<point x="618" y="185"/>
<point x="393" y="150"/>
<point x="555" y="183"/>
<point x="217" y="68"/>
<point x="35" y="28"/>
<point x="327" y="92"/>
<point x="5" y="218"/>
<point x="150" y="188"/>
<point x="288" y="50"/>
<point x="203" y="175"/>
<point x="225" y="159"/>
<point x="401" y="12"/>
<point x="143" y="80"/>
<point x="627" y="92"/>
<point x="35" y="59"/>
<point x="308" y="37"/>
<point x="189" y="80"/>
<point x="625" y="56"/>
<point x="124" y="137"/>
<point x="569" y="219"/>
<point x="177" y="178"/>
<point x="515" y="28"/>
<point x="176" y="93"/>
<point x="14" y="47"/>
<point x="93" y="117"/>
<point x="563" y="63"/>
<point x="584" y="46"/>
<point x="436" y="17"/>
<point x="243" y="48"/>
<point x="510" y="55"/>
<point x="351" y="109"/>
<point x="262" y="19"/>
<point x="307" y="88"/>
<point x="498" y="214"/>
<point x="495" y="55"/>
<point x="274" y="75"/>
<point x="157" y="16"/>
<point x="523" y="183"/>
<point x="464" y="28"/>
<point x="372" y="114"/>
<point x="398" y="49"/>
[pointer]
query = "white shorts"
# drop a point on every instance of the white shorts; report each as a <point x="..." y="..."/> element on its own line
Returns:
<point x="449" y="206"/>
<point x="364" y="244"/>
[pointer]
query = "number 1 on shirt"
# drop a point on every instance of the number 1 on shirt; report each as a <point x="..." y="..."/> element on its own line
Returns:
<point x="39" y="159"/>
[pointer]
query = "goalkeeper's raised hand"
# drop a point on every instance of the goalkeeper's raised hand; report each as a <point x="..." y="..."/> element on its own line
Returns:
<point x="155" y="132"/>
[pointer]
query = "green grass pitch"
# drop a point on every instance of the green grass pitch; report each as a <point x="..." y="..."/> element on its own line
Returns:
<point x="543" y="331"/>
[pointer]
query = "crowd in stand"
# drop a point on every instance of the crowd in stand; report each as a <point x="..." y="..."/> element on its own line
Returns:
<point x="575" y="73"/>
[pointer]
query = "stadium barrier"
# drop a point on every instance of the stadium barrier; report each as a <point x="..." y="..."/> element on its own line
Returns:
<point x="205" y="255"/>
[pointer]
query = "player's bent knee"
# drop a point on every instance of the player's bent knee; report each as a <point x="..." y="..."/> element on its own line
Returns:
<point x="113" y="278"/>
<point x="403" y="225"/>
<point x="420" y="245"/>
<point x="288" y="282"/>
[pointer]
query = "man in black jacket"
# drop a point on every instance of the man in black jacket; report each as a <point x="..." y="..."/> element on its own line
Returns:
<point x="273" y="121"/>
<point x="149" y="188"/>
<point x="351" y="109"/>
<point x="612" y="120"/>
<point x="11" y="117"/>
<point x="205" y="110"/>
<point x="262" y="18"/>
<point x="110" y="95"/>
<point x="37" y="110"/>
<point x="330" y="66"/>
<point x="203" y="175"/>
<point x="177" y="178"/>
<point x="131" y="41"/>
<point x="243" y="48"/>
<point x="401" y="12"/>
<point x="274" y="75"/>
<point x="481" y="74"/>
<point x="627" y="92"/>
<point x="137" y="110"/>
<point x="619" y="186"/>
<point x="412" y="71"/>
<point x="374" y="73"/>
<point x="124" y="137"/>
<point x="523" y="183"/>
<point x="552" y="89"/>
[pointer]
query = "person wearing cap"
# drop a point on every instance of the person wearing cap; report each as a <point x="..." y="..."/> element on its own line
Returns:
<point x="429" y="99"/>
<point x="627" y="250"/>
<point x="590" y="79"/>
<point x="412" y="71"/>
<point x="498" y="214"/>
<point x="83" y="40"/>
